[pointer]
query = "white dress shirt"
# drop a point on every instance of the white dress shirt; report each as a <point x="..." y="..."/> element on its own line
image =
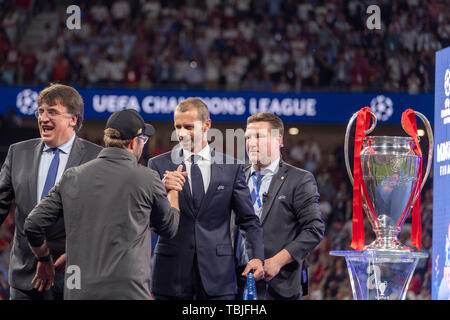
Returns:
<point x="46" y="159"/>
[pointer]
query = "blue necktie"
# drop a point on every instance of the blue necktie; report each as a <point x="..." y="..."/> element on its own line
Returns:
<point x="52" y="172"/>
<point x="198" y="189"/>
<point x="240" y="245"/>
<point x="256" y="187"/>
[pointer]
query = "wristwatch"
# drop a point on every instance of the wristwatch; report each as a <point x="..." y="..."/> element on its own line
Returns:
<point x="44" y="258"/>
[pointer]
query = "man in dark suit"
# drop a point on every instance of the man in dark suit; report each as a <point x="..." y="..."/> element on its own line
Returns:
<point x="30" y="170"/>
<point x="285" y="200"/>
<point x="198" y="263"/>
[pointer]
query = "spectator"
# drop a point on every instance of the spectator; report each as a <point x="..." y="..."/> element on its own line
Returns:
<point x="99" y="12"/>
<point x="60" y="69"/>
<point x="212" y="70"/>
<point x="115" y="69"/>
<point x="10" y="23"/>
<point x="305" y="66"/>
<point x="120" y="10"/>
<point x="132" y="74"/>
<point x="28" y="64"/>
<point x="413" y="83"/>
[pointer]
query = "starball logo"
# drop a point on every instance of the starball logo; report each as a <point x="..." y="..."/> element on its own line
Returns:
<point x="443" y="148"/>
<point x="382" y="107"/>
<point x="445" y="113"/>
<point x="26" y="101"/>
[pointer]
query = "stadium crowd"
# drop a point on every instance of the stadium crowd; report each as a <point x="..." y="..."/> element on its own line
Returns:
<point x="247" y="44"/>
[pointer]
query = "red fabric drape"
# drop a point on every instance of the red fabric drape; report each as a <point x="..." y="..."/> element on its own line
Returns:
<point x="362" y="124"/>
<point x="410" y="126"/>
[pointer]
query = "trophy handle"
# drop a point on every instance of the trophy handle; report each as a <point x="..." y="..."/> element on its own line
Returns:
<point x="347" y="135"/>
<point x="430" y="154"/>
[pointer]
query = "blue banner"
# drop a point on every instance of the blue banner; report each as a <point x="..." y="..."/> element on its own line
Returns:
<point x="441" y="179"/>
<point x="232" y="106"/>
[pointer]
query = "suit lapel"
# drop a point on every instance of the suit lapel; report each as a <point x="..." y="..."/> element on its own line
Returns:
<point x="247" y="173"/>
<point x="216" y="172"/>
<point x="274" y="187"/>
<point x="35" y="171"/>
<point x="187" y="192"/>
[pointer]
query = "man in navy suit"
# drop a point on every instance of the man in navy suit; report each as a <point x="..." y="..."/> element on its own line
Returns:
<point x="199" y="263"/>
<point x="285" y="200"/>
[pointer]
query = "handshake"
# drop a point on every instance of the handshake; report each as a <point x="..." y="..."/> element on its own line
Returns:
<point x="174" y="180"/>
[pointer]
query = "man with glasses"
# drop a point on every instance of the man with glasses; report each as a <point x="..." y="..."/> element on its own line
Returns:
<point x="109" y="205"/>
<point x="30" y="170"/>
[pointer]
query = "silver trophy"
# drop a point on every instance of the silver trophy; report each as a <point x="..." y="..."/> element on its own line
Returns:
<point x="390" y="170"/>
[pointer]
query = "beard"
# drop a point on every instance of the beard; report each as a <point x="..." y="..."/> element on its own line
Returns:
<point x="139" y="150"/>
<point x="190" y="144"/>
<point x="138" y="156"/>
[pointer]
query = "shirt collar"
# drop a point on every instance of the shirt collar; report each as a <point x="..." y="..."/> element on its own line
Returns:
<point x="66" y="147"/>
<point x="205" y="154"/>
<point x="271" y="169"/>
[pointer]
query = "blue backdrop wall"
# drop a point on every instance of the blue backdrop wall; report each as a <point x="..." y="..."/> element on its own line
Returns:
<point x="232" y="106"/>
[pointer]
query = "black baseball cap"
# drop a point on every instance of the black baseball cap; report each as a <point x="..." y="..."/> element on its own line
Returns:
<point x="129" y="123"/>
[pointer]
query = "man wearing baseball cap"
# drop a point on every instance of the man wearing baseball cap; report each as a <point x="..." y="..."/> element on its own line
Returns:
<point x="110" y="205"/>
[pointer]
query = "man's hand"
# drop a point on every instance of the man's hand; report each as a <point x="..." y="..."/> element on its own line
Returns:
<point x="273" y="265"/>
<point x="45" y="274"/>
<point x="60" y="264"/>
<point x="256" y="266"/>
<point x="174" y="180"/>
<point x="271" y="268"/>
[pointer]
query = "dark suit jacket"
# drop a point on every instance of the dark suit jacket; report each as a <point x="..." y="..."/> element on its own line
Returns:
<point x="291" y="220"/>
<point x="18" y="180"/>
<point x="207" y="232"/>
<point x="109" y="205"/>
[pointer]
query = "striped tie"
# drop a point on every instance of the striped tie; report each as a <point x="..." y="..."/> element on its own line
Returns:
<point x="256" y="187"/>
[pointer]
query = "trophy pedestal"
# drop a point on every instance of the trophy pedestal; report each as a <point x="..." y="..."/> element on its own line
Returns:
<point x="380" y="274"/>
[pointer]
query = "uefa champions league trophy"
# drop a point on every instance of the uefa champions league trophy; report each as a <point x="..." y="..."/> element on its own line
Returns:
<point x="387" y="181"/>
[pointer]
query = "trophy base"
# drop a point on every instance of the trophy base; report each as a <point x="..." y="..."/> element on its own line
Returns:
<point x="380" y="275"/>
<point x="387" y="247"/>
<point x="387" y="241"/>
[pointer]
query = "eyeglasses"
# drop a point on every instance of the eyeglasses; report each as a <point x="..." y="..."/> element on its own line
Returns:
<point x="144" y="138"/>
<point x="51" y="113"/>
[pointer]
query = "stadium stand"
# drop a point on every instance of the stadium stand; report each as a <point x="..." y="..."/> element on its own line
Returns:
<point x="253" y="45"/>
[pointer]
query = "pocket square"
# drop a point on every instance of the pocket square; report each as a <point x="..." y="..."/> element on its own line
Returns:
<point x="220" y="187"/>
<point x="282" y="197"/>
